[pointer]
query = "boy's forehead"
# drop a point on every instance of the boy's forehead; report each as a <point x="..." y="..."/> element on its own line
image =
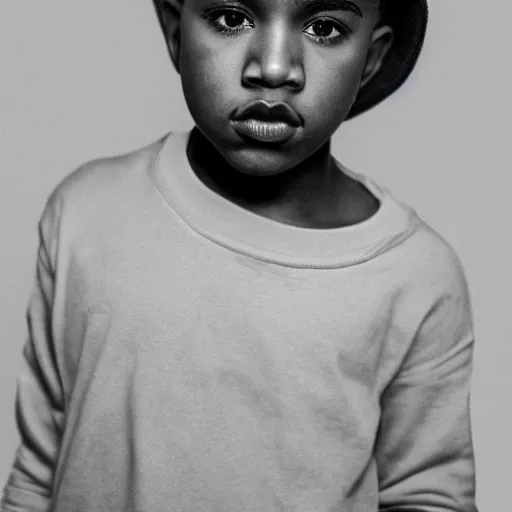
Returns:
<point x="350" y="5"/>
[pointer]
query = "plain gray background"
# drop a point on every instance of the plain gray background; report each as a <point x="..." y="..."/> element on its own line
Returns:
<point x="84" y="78"/>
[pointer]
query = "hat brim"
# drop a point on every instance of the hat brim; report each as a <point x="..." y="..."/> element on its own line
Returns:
<point x="408" y="19"/>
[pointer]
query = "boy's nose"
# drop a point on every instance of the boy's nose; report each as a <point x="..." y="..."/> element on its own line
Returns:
<point x="274" y="61"/>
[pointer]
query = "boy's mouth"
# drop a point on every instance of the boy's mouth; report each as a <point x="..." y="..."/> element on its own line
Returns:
<point x="264" y="131"/>
<point x="266" y="122"/>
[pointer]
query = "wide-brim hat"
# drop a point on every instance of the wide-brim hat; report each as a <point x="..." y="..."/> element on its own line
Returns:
<point x="408" y="18"/>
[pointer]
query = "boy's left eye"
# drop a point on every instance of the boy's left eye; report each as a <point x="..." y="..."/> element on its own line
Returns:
<point x="324" y="30"/>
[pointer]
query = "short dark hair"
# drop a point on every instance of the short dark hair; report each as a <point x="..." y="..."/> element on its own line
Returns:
<point x="383" y="11"/>
<point x="159" y="7"/>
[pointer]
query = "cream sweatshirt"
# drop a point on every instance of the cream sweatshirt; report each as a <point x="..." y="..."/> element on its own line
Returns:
<point x="187" y="355"/>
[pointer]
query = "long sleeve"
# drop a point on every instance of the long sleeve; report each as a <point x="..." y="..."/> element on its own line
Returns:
<point x="424" y="447"/>
<point x="39" y="401"/>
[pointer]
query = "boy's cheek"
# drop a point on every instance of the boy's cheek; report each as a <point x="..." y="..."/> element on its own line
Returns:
<point x="207" y="73"/>
<point x="201" y="61"/>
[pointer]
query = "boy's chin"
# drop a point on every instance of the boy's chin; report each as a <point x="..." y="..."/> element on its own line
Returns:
<point x="258" y="162"/>
<point x="253" y="158"/>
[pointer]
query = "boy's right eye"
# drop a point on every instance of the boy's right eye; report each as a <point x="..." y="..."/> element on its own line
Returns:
<point x="230" y="21"/>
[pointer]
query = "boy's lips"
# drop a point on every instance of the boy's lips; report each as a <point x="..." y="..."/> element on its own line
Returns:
<point x="264" y="131"/>
<point x="266" y="122"/>
<point x="261" y="110"/>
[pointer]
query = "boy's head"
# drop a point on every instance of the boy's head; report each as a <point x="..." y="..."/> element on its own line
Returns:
<point x="268" y="82"/>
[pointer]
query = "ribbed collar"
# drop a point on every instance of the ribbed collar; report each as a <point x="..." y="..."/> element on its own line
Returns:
<point x="248" y="233"/>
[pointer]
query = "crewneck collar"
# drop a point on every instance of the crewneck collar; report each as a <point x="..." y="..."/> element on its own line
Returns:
<point x="242" y="231"/>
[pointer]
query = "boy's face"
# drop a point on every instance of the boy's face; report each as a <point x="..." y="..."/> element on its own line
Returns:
<point x="310" y="56"/>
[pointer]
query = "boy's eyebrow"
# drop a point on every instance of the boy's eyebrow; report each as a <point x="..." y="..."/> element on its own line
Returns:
<point x="312" y="6"/>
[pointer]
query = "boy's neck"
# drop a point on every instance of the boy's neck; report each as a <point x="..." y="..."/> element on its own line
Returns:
<point x="315" y="194"/>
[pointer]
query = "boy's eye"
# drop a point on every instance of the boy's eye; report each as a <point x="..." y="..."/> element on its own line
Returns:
<point x="232" y="20"/>
<point x="325" y="30"/>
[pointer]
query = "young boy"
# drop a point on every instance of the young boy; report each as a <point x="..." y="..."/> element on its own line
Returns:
<point x="229" y="320"/>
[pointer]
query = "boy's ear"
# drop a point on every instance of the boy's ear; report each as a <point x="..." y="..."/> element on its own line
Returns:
<point x="382" y="40"/>
<point x="169" y="14"/>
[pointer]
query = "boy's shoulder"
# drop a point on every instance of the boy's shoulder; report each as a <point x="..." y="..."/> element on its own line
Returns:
<point x="106" y="175"/>
<point x="419" y="254"/>
<point x="430" y="263"/>
<point x="98" y="191"/>
<point x="101" y="183"/>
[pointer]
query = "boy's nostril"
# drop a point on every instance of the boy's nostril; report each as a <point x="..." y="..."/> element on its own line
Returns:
<point x="273" y="78"/>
